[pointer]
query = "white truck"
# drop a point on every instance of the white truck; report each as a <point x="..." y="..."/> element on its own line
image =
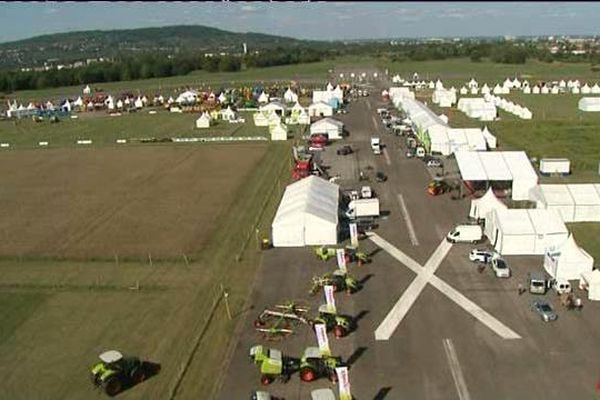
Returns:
<point x="376" y="145"/>
<point x="363" y="208"/>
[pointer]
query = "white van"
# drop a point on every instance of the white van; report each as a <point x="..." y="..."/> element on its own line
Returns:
<point x="465" y="234"/>
<point x="376" y="145"/>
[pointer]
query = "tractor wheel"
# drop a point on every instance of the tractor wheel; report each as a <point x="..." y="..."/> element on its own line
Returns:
<point x="339" y="331"/>
<point x="265" y="380"/>
<point x="307" y="374"/>
<point x="112" y="386"/>
<point x="138" y="375"/>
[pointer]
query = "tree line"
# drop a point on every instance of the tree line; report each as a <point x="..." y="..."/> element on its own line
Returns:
<point x="148" y="66"/>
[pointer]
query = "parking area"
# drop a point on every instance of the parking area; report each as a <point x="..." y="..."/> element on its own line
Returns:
<point x="453" y="339"/>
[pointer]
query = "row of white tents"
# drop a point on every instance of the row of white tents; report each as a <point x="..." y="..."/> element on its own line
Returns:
<point x="509" y="106"/>
<point x="536" y="232"/>
<point x="477" y="108"/>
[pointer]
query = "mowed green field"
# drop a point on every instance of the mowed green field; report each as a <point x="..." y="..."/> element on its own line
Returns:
<point x="459" y="71"/>
<point x="57" y="316"/>
<point x="103" y="129"/>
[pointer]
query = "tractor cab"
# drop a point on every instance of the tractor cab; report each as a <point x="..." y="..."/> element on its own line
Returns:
<point x="325" y="253"/>
<point x="270" y="362"/>
<point x="341" y="325"/>
<point x="114" y="371"/>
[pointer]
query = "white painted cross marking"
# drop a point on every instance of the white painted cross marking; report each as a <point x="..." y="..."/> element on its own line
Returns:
<point x="457" y="374"/>
<point x="385" y="330"/>
<point x="409" y="225"/>
<point x="374" y="121"/>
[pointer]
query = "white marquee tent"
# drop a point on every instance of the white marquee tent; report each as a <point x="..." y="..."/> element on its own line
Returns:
<point x="499" y="166"/>
<point x="590" y="281"/>
<point x="320" y="109"/>
<point x="524" y="231"/>
<point x="589" y="104"/>
<point x="328" y="126"/>
<point x="572" y="202"/>
<point x="307" y="214"/>
<point x="567" y="261"/>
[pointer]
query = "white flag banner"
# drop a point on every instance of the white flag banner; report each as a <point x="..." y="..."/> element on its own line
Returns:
<point x="341" y="259"/>
<point x="329" y="298"/>
<point x="344" y="383"/>
<point x="322" y="339"/>
<point x="354" y="234"/>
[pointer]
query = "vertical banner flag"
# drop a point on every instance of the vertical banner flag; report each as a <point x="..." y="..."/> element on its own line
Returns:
<point x="344" y="383"/>
<point x="322" y="339"/>
<point x="341" y="259"/>
<point x="354" y="234"/>
<point x="329" y="298"/>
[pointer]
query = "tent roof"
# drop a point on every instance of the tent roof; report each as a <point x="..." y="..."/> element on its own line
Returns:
<point x="514" y="222"/>
<point x="555" y="194"/>
<point x="328" y="121"/>
<point x="546" y="221"/>
<point x="494" y="165"/>
<point x="319" y="104"/>
<point x="592" y="277"/>
<point x="584" y="194"/>
<point x="489" y="201"/>
<point x="311" y="197"/>
<point x="570" y="250"/>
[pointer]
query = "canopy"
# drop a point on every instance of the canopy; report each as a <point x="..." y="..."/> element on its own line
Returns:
<point x="307" y="214"/>
<point x="482" y="206"/>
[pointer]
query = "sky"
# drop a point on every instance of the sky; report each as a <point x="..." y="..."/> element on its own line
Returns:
<point x="308" y="19"/>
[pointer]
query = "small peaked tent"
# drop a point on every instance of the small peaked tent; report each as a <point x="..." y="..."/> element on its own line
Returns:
<point x="490" y="139"/>
<point x="203" y="121"/>
<point x="508" y="83"/>
<point x="290" y="97"/>
<point x="439" y="85"/>
<point x="554" y="90"/>
<point x="485" y="89"/>
<point x="87" y="90"/>
<point x="590" y="281"/>
<point x="472" y="83"/>
<point x="567" y="261"/>
<point x="516" y="83"/>
<point x="222" y="98"/>
<point x="263" y="98"/>
<point x="227" y="114"/>
<point x="463" y="90"/>
<point x="575" y="90"/>
<point x="589" y="104"/>
<point x="138" y="103"/>
<point x="481" y="207"/>
<point x="544" y="90"/>
<point x="307" y="214"/>
<point x="474" y="90"/>
<point x="535" y="90"/>
<point x="595" y="89"/>
<point x="497" y="89"/>
<point x="278" y="131"/>
<point x="527" y="90"/>
<point x="431" y="85"/>
<point x="585" y="89"/>
<point x="562" y="83"/>
<point x="526" y="114"/>
<point x="329" y="87"/>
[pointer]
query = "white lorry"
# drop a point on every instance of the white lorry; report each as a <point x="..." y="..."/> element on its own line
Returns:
<point x="549" y="166"/>
<point x="363" y="208"/>
<point x="465" y="234"/>
<point x="376" y="145"/>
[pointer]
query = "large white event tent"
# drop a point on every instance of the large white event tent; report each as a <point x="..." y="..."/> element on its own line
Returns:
<point x="589" y="104"/>
<point x="481" y="207"/>
<point x="307" y="214"/>
<point x="524" y="231"/>
<point x="572" y="202"/>
<point x="328" y="126"/>
<point x="513" y="166"/>
<point x="567" y="261"/>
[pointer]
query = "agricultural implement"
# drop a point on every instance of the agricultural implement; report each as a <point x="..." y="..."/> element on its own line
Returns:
<point x="339" y="279"/>
<point x="272" y="364"/>
<point x="114" y="372"/>
<point x="278" y="323"/>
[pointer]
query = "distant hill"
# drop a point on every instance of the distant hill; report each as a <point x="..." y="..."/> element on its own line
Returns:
<point x="75" y="46"/>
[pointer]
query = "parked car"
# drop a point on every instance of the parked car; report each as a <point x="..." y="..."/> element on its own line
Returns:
<point x="380" y="176"/>
<point x="344" y="150"/>
<point x="434" y="162"/>
<point x="500" y="268"/>
<point x="544" y="310"/>
<point x="483" y="256"/>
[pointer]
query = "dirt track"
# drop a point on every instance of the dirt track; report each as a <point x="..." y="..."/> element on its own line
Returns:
<point x="134" y="201"/>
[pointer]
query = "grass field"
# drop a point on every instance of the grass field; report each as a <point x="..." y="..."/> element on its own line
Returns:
<point x="56" y="316"/>
<point x="459" y="71"/>
<point x="105" y="130"/>
<point x="129" y="202"/>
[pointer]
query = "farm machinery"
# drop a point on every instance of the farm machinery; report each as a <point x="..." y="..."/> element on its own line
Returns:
<point x="272" y="364"/>
<point x="114" y="372"/>
<point x="352" y="254"/>
<point x="339" y="279"/>
<point x="278" y="322"/>
<point x="315" y="365"/>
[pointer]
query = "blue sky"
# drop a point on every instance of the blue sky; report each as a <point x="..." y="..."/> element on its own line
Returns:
<point x="308" y="20"/>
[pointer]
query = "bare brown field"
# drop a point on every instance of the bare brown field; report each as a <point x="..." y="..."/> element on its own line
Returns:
<point x="131" y="202"/>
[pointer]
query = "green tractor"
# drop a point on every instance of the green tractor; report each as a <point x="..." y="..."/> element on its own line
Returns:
<point x="314" y="365"/>
<point x="340" y="325"/>
<point x="114" y="372"/>
<point x="325" y="253"/>
<point x="273" y="365"/>
<point x="339" y="279"/>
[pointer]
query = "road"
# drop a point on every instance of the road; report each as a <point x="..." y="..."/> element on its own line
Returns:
<point x="441" y="348"/>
